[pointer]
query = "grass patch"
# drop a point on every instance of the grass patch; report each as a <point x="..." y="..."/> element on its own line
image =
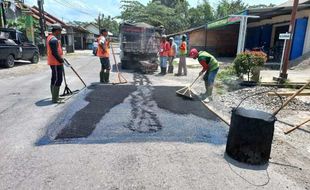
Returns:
<point x="226" y="73"/>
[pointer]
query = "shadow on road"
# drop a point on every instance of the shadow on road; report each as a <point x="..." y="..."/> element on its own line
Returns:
<point x="44" y="102"/>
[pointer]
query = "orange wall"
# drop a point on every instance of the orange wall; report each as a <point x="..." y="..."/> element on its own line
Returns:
<point x="220" y="42"/>
<point x="197" y="39"/>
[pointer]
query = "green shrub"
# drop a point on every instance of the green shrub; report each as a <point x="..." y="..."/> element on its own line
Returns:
<point x="248" y="62"/>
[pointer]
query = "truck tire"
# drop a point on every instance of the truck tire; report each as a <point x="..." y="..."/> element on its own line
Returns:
<point x="9" y="62"/>
<point x="124" y="64"/>
<point x="35" y="58"/>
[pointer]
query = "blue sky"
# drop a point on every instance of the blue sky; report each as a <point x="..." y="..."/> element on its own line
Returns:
<point x="88" y="10"/>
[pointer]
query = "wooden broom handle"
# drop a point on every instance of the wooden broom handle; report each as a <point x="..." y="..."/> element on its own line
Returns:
<point x="296" y="127"/>
<point x="290" y="99"/>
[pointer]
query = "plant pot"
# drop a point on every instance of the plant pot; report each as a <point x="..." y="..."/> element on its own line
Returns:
<point x="256" y="74"/>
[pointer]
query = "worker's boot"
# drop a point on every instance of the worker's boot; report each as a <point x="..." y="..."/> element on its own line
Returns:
<point x="205" y="94"/>
<point x="55" y="94"/>
<point x="106" y="77"/>
<point x="101" y="77"/>
<point x="164" y="70"/>
<point x="161" y="70"/>
<point x="170" y="69"/>
<point x="209" y="91"/>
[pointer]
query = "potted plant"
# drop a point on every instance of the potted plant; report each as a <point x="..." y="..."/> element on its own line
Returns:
<point x="249" y="63"/>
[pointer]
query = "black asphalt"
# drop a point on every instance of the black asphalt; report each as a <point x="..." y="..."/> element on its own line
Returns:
<point x="166" y="98"/>
<point x="101" y="100"/>
<point x="104" y="97"/>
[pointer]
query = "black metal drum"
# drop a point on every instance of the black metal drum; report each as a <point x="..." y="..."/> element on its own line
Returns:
<point x="250" y="136"/>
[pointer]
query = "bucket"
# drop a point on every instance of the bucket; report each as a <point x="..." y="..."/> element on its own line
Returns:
<point x="250" y="135"/>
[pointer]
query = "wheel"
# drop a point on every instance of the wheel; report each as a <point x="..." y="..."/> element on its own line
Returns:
<point x="35" y="58"/>
<point x="9" y="62"/>
<point x="124" y="64"/>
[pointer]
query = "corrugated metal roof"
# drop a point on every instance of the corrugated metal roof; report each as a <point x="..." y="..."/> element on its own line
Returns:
<point x="290" y="3"/>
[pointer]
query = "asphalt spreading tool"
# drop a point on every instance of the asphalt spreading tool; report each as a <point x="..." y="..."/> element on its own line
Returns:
<point x="120" y="77"/>
<point x="186" y="92"/>
<point x="67" y="90"/>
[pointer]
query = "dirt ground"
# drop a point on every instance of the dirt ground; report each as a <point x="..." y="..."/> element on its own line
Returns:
<point x="291" y="152"/>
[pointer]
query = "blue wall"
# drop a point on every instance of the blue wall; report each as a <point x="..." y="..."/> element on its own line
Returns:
<point x="258" y="37"/>
<point x="299" y="38"/>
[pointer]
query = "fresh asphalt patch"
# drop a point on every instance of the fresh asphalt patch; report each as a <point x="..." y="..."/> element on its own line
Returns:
<point x="101" y="100"/>
<point x="139" y="112"/>
<point x="166" y="98"/>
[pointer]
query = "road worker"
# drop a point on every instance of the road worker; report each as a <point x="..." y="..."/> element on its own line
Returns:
<point x="163" y="53"/>
<point x="172" y="54"/>
<point x="103" y="52"/>
<point x="183" y="53"/>
<point x="210" y="66"/>
<point x="55" y="60"/>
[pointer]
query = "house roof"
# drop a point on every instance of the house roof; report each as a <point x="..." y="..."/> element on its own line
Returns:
<point x="188" y="31"/>
<point x="50" y="19"/>
<point x="290" y="3"/>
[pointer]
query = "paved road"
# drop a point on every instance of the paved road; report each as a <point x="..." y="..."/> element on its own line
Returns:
<point x="139" y="135"/>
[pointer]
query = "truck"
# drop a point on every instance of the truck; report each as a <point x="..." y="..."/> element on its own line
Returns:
<point x="139" y="44"/>
<point x="14" y="45"/>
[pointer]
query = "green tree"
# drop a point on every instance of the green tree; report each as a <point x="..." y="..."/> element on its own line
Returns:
<point x="200" y="15"/>
<point x="108" y="22"/>
<point x="170" y="3"/>
<point x="226" y="7"/>
<point x="156" y="14"/>
<point x="19" y="24"/>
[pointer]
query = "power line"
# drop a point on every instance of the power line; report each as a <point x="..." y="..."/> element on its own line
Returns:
<point x="65" y="4"/>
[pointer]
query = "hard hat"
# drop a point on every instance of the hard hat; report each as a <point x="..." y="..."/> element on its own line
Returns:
<point x="193" y="53"/>
<point x="171" y="38"/>
<point x="56" y="26"/>
<point x="164" y="36"/>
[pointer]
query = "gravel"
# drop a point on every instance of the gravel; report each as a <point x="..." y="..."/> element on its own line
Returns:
<point x="261" y="101"/>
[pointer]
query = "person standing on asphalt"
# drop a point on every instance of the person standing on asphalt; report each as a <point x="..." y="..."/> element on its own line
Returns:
<point x="172" y="54"/>
<point x="209" y="65"/>
<point x="55" y="60"/>
<point x="163" y="53"/>
<point x="103" y="52"/>
<point x="183" y="53"/>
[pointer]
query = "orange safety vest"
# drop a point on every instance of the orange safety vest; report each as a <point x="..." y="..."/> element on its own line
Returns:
<point x="172" y="52"/>
<point x="103" y="53"/>
<point x="183" y="48"/>
<point x="51" y="60"/>
<point x="164" y="49"/>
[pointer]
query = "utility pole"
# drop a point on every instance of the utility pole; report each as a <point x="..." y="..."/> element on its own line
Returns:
<point x="99" y="23"/>
<point x="283" y="74"/>
<point x="42" y="27"/>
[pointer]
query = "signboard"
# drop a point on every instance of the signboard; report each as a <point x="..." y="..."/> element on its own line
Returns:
<point x="285" y="36"/>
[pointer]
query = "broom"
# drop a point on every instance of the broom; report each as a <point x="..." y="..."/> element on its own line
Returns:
<point x="186" y="92"/>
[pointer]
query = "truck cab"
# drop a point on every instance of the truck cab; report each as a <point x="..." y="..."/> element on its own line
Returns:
<point x="15" y="45"/>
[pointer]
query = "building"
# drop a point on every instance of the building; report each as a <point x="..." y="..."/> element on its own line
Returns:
<point x="222" y="37"/>
<point x="73" y="37"/>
